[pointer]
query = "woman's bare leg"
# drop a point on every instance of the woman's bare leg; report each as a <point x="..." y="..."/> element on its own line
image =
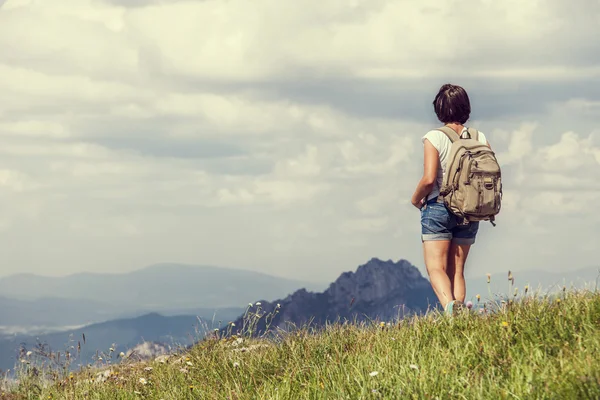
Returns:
<point x="457" y="257"/>
<point x="436" y="260"/>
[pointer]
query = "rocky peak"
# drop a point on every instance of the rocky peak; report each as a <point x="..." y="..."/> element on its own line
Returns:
<point x="377" y="279"/>
<point x="377" y="289"/>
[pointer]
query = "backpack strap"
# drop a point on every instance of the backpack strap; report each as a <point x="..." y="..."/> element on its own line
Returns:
<point x="452" y="135"/>
<point x="473" y="133"/>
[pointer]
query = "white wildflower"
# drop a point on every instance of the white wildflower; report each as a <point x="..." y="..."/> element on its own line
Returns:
<point x="143" y="381"/>
<point x="258" y="303"/>
<point x="189" y="363"/>
<point x="121" y="354"/>
<point x="374" y="373"/>
<point x="29" y="353"/>
<point x="162" y="359"/>
<point x="236" y="364"/>
<point x="413" y="366"/>
<point x="278" y="305"/>
<point x="251" y="305"/>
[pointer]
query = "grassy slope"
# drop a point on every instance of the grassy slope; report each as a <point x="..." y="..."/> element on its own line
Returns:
<point x="534" y="349"/>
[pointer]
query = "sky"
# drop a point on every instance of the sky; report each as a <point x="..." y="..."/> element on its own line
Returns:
<point x="285" y="137"/>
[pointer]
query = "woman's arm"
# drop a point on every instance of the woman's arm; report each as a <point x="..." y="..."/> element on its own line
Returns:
<point x="430" y="170"/>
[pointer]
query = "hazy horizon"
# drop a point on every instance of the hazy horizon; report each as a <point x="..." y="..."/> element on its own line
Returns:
<point x="284" y="138"/>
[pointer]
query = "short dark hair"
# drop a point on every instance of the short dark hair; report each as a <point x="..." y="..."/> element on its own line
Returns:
<point x="451" y="104"/>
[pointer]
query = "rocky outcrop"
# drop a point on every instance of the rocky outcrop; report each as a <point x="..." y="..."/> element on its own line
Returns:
<point x="147" y="351"/>
<point x="382" y="290"/>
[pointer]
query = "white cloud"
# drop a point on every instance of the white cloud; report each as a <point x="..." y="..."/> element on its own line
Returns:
<point x="252" y="134"/>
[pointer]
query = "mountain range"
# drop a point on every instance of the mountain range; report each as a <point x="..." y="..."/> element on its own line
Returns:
<point x="32" y="303"/>
<point x="377" y="290"/>
<point x="121" y="335"/>
<point x="157" y="287"/>
<point x="165" y="304"/>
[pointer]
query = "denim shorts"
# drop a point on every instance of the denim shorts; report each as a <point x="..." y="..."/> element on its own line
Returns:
<point x="438" y="223"/>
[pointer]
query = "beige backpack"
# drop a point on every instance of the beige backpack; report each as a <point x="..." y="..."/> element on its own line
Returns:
<point x="472" y="185"/>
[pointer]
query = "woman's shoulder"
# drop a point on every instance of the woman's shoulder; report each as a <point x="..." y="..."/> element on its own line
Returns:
<point x="433" y="134"/>
<point x="436" y="137"/>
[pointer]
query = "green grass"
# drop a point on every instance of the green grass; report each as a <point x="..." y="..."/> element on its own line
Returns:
<point x="532" y="348"/>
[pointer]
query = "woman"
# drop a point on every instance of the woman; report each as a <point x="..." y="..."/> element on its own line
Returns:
<point x="446" y="243"/>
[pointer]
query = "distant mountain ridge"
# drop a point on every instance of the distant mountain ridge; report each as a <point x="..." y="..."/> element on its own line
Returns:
<point x="546" y="282"/>
<point x="157" y="287"/>
<point x="123" y="335"/>
<point x="379" y="289"/>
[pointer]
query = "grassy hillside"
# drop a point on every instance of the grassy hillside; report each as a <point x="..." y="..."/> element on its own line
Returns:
<point x="529" y="348"/>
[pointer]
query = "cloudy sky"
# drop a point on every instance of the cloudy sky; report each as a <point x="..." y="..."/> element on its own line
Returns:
<point x="284" y="136"/>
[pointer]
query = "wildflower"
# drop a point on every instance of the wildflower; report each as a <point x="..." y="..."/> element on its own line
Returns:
<point x="478" y="297"/>
<point x="162" y="359"/>
<point x="558" y="301"/>
<point x="374" y="373"/>
<point x="278" y="305"/>
<point x="413" y="366"/>
<point x="258" y="303"/>
<point x="469" y="304"/>
<point x="236" y="364"/>
<point x="121" y="354"/>
<point x="489" y="277"/>
<point x="526" y="288"/>
<point x="29" y="353"/>
<point x="189" y="364"/>
<point x="382" y="325"/>
<point x="148" y="369"/>
<point x="504" y="324"/>
<point x="251" y="305"/>
<point x="191" y="387"/>
<point x="111" y="350"/>
<point x="516" y="291"/>
<point x="143" y="381"/>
